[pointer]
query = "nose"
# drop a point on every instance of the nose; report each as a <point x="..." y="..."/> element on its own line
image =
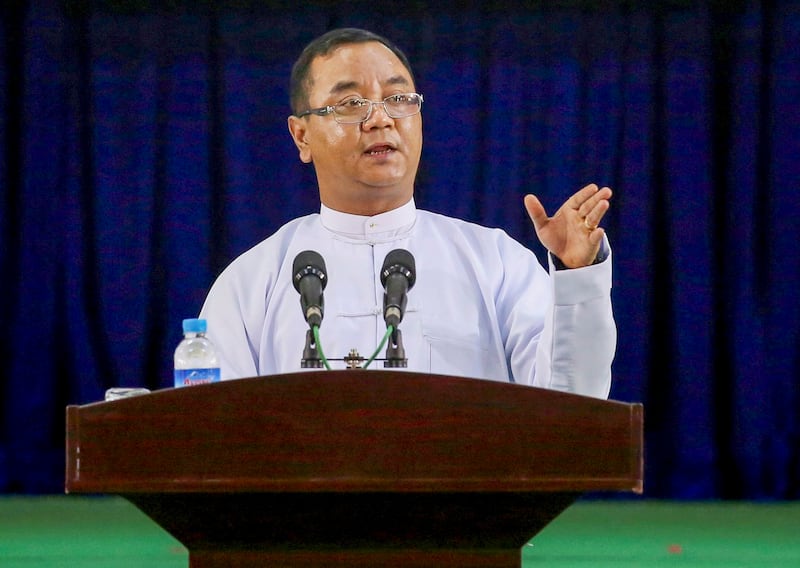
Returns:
<point x="377" y="117"/>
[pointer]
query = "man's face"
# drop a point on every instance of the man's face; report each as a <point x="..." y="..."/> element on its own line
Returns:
<point x="365" y="168"/>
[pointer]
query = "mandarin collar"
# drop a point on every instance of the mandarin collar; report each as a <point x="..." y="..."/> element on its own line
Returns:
<point x="384" y="225"/>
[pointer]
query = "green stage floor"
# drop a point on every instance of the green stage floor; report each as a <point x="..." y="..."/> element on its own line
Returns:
<point x="110" y="533"/>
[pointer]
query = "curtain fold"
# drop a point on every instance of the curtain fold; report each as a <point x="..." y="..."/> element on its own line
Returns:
<point x="145" y="146"/>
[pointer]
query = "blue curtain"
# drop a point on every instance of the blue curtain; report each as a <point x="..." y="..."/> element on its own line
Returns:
<point x="144" y="145"/>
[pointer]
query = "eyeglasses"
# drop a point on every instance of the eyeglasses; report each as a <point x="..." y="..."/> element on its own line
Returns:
<point x="355" y="111"/>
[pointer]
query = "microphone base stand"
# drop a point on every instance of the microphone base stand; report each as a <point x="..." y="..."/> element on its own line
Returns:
<point x="311" y="359"/>
<point x="395" y="352"/>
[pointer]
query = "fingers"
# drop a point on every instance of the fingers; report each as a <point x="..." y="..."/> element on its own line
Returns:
<point x="594" y="215"/>
<point x="588" y="205"/>
<point x="592" y="204"/>
<point x="587" y="198"/>
<point x="596" y="236"/>
<point x="535" y="210"/>
<point x="580" y="196"/>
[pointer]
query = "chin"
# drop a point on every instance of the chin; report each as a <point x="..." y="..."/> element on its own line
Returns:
<point x="382" y="181"/>
<point x="388" y="195"/>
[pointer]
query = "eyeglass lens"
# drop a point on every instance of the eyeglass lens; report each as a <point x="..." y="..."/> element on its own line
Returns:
<point x="396" y="106"/>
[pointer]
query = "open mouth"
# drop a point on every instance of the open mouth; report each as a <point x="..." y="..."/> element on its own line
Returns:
<point x="379" y="150"/>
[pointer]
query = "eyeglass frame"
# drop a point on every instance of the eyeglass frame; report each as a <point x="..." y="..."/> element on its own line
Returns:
<point x="331" y="109"/>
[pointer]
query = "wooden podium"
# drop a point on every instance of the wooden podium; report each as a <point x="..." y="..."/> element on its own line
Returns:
<point x="354" y="468"/>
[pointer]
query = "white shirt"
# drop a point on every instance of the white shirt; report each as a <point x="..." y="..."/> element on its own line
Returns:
<point x="482" y="305"/>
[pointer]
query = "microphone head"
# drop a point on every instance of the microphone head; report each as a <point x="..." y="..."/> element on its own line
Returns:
<point x="399" y="261"/>
<point x="307" y="263"/>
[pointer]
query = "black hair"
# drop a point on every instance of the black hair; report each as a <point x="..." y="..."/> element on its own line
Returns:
<point x="323" y="45"/>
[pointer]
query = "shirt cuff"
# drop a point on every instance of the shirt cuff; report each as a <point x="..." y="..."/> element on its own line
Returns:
<point x="577" y="285"/>
<point x="602" y="255"/>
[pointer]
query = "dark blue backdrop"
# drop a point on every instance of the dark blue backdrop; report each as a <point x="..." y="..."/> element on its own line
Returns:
<point x="143" y="147"/>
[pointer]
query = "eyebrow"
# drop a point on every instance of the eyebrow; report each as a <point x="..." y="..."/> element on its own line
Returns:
<point x="348" y="85"/>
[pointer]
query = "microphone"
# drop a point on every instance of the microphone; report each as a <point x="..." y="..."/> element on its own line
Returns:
<point x="397" y="277"/>
<point x="309" y="278"/>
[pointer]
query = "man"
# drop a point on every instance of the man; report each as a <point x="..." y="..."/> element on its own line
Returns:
<point x="481" y="306"/>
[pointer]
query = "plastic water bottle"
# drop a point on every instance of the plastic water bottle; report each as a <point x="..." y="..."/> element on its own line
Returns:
<point x="195" y="358"/>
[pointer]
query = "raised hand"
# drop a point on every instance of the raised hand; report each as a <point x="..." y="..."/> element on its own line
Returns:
<point x="572" y="233"/>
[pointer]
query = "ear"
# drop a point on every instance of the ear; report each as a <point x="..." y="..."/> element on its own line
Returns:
<point x="298" y="128"/>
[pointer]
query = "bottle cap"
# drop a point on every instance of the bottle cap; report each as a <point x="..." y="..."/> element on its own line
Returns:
<point x="194" y="325"/>
<point x="117" y="393"/>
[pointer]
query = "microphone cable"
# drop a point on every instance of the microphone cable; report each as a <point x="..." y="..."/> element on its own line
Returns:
<point x="389" y="331"/>
<point x="318" y="345"/>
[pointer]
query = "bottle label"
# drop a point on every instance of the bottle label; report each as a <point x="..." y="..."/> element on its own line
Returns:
<point x="189" y="377"/>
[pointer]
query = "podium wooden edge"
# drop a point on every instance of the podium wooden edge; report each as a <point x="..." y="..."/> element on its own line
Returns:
<point x="454" y="521"/>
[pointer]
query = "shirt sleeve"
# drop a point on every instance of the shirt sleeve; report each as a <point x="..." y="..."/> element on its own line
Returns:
<point x="559" y="331"/>
<point x="578" y="342"/>
<point x="226" y="310"/>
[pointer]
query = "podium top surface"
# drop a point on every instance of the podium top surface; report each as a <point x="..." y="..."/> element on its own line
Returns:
<point x="354" y="431"/>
